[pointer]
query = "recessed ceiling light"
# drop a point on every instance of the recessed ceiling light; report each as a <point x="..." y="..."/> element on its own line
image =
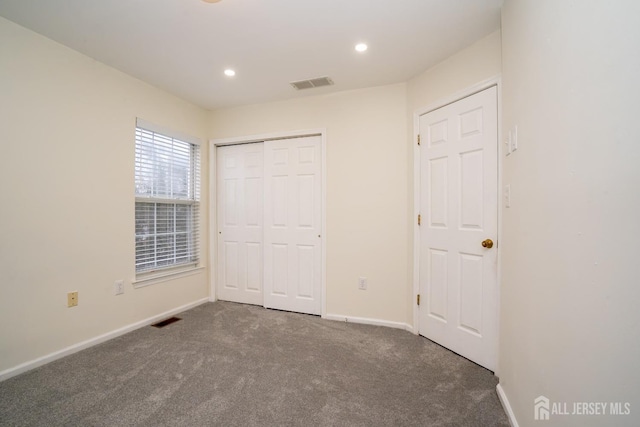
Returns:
<point x="361" y="47"/>
<point x="229" y="72"/>
<point x="211" y="1"/>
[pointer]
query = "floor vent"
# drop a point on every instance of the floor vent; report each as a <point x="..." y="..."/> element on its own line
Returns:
<point x="166" y="322"/>
<point x="311" y="83"/>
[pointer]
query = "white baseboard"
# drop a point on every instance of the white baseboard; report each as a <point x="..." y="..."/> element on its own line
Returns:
<point x="367" y="321"/>
<point x="507" y="407"/>
<point x="27" y="366"/>
<point x="409" y="328"/>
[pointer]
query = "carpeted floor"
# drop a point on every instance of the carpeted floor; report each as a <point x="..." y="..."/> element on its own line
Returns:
<point x="230" y="364"/>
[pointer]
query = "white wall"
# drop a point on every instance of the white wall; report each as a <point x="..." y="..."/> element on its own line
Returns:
<point x="66" y="184"/>
<point x="478" y="62"/>
<point x="470" y="66"/>
<point x="571" y="277"/>
<point x="366" y="189"/>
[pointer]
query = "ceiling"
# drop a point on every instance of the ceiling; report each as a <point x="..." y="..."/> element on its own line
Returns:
<point x="184" y="46"/>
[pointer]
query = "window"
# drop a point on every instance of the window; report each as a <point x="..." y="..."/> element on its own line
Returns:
<point x="167" y="175"/>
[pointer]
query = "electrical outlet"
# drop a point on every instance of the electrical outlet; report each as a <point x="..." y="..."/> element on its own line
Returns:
<point x="72" y="299"/>
<point x="507" y="196"/>
<point x="118" y="287"/>
<point x="362" y="283"/>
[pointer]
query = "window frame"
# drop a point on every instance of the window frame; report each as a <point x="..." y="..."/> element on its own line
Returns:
<point x="145" y="276"/>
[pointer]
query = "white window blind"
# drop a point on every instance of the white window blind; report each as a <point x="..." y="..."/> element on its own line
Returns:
<point x="167" y="176"/>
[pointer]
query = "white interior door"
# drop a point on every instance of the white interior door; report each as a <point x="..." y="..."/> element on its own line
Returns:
<point x="292" y="224"/>
<point x="240" y="215"/>
<point x="459" y="210"/>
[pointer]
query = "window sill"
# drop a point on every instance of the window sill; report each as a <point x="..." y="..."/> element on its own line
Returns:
<point x="152" y="278"/>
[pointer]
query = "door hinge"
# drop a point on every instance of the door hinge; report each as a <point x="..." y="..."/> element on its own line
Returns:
<point x="418" y="139"/>
<point x="418" y="299"/>
<point x="419" y="219"/>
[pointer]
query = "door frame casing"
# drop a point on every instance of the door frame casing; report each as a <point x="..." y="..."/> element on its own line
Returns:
<point x="213" y="220"/>
<point x="442" y="102"/>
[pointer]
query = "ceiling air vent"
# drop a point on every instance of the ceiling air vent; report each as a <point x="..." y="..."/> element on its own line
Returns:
<point x="311" y="83"/>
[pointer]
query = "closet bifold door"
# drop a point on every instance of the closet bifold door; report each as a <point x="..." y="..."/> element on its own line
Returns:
<point x="292" y="224"/>
<point x="240" y="214"/>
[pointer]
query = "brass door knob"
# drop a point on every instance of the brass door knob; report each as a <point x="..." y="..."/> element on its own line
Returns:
<point x="487" y="244"/>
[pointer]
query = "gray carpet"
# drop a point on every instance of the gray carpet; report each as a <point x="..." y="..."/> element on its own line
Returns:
<point x="230" y="364"/>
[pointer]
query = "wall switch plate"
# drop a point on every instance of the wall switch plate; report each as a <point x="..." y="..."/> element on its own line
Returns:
<point x="362" y="283"/>
<point x="507" y="143"/>
<point x="72" y="299"/>
<point x="513" y="139"/>
<point x="507" y="196"/>
<point x="118" y="287"/>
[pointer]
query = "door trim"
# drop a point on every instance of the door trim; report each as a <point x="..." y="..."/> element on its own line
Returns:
<point x="442" y="102"/>
<point x="213" y="236"/>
